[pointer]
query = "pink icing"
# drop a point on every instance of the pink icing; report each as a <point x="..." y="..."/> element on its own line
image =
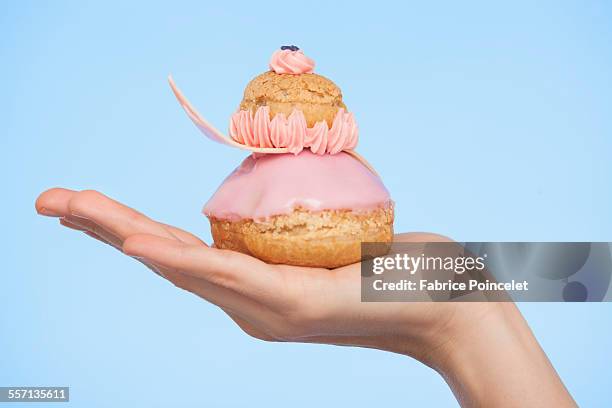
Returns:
<point x="291" y="62"/>
<point x="293" y="133"/>
<point x="271" y="184"/>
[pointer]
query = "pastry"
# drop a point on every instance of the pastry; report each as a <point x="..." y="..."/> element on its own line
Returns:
<point x="291" y="85"/>
<point x="290" y="106"/>
<point x="303" y="197"/>
<point x="306" y="210"/>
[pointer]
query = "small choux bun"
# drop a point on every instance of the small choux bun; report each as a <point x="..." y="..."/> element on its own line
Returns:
<point x="326" y="239"/>
<point x="316" y="96"/>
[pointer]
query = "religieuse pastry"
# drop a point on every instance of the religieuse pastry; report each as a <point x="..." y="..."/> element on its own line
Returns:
<point x="304" y="196"/>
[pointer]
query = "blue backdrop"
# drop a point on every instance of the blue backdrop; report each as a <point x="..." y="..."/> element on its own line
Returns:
<point x="487" y="122"/>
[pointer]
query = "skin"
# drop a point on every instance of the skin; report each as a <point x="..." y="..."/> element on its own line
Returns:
<point x="485" y="351"/>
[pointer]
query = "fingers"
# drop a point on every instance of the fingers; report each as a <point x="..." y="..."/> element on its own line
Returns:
<point x="91" y="229"/>
<point x="113" y="216"/>
<point x="231" y="270"/>
<point x="258" y="295"/>
<point x="110" y="215"/>
<point x="240" y="306"/>
<point x="54" y="202"/>
<point x="246" y="288"/>
<point x="66" y="223"/>
<point x="265" y="299"/>
<point x="236" y="286"/>
<point x="184" y="235"/>
<point x="60" y="202"/>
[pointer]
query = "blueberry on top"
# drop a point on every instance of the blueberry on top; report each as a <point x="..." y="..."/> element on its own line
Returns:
<point x="289" y="47"/>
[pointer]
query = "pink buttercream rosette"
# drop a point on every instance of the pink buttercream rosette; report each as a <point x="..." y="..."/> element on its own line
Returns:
<point x="291" y="61"/>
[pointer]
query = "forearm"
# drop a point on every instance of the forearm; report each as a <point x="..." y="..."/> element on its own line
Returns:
<point x="498" y="362"/>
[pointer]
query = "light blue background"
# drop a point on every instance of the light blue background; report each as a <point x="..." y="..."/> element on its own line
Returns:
<point x="487" y="122"/>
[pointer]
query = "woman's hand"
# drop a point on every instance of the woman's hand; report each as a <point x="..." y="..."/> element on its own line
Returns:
<point x="270" y="302"/>
<point x="287" y="303"/>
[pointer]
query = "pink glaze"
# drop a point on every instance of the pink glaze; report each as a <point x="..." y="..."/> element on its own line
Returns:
<point x="267" y="185"/>
<point x="293" y="132"/>
<point x="291" y="62"/>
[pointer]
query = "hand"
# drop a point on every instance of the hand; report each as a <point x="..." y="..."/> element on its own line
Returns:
<point x="270" y="302"/>
<point x="287" y="303"/>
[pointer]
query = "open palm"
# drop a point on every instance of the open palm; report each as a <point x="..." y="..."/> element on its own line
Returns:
<point x="269" y="302"/>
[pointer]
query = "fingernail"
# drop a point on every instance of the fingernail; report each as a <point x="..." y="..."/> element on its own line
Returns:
<point x="47" y="212"/>
<point x="75" y="215"/>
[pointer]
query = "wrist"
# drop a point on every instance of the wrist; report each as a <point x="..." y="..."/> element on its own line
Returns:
<point x="490" y="358"/>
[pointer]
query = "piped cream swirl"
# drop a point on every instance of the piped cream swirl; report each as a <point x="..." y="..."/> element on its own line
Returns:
<point x="291" y="62"/>
<point x="293" y="133"/>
